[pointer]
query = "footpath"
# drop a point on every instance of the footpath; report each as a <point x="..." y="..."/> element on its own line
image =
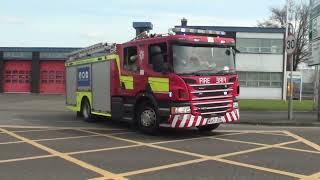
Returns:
<point x="276" y="118"/>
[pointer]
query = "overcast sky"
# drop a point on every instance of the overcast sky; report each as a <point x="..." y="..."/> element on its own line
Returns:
<point x="78" y="23"/>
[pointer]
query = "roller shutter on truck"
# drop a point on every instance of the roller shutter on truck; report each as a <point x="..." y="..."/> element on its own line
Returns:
<point x="52" y="77"/>
<point x="17" y="76"/>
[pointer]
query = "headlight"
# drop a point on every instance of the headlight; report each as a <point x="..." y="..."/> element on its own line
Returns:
<point x="180" y="110"/>
<point x="235" y="105"/>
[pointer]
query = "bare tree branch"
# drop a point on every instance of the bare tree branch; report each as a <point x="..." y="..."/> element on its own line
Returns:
<point x="299" y="14"/>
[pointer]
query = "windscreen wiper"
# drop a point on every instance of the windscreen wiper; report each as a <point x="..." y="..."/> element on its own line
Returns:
<point x="204" y="72"/>
<point x="225" y="72"/>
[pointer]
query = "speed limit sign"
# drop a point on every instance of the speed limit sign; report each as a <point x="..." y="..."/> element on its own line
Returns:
<point x="290" y="44"/>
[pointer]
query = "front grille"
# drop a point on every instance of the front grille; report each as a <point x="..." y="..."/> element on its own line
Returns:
<point x="201" y="87"/>
<point x="212" y="100"/>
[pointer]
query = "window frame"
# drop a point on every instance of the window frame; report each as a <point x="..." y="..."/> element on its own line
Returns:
<point x="125" y="62"/>
<point x="163" y="46"/>
<point x="245" y="81"/>
<point x="260" y="47"/>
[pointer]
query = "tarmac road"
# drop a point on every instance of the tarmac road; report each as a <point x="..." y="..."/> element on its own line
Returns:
<point x="40" y="139"/>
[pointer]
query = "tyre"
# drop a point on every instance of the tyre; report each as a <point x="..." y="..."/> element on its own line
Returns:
<point x="79" y="114"/>
<point x="147" y="119"/>
<point x="86" y="111"/>
<point x="208" y="128"/>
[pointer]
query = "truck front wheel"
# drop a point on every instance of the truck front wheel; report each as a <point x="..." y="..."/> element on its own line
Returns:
<point x="147" y="118"/>
<point x="208" y="128"/>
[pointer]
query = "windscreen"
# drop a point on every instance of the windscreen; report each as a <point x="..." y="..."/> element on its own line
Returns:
<point x="202" y="60"/>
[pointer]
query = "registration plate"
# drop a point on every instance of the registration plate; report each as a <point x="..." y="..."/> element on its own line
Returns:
<point x="214" y="120"/>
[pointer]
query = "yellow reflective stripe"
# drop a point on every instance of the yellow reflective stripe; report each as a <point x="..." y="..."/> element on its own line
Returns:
<point x="159" y="84"/>
<point x="116" y="57"/>
<point x="102" y="114"/>
<point x="128" y="81"/>
<point x="80" y="95"/>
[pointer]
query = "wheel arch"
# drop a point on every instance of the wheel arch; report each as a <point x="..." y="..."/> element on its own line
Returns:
<point x="145" y="97"/>
<point x="81" y="97"/>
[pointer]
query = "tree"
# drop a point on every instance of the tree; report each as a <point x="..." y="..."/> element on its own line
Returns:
<point x="298" y="13"/>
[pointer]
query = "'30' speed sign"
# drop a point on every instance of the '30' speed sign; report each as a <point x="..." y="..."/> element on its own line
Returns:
<point x="291" y="44"/>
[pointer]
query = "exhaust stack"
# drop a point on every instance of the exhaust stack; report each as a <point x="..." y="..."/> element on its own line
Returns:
<point x="141" y="27"/>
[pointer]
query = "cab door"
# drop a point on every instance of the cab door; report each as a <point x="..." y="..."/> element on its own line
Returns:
<point x="158" y="80"/>
<point x="132" y="76"/>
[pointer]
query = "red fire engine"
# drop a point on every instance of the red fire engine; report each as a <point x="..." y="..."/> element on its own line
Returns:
<point x="182" y="79"/>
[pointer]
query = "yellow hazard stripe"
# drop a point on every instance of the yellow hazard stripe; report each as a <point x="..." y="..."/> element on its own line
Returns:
<point x="79" y="96"/>
<point x="102" y="114"/>
<point x="128" y="81"/>
<point x="159" y="84"/>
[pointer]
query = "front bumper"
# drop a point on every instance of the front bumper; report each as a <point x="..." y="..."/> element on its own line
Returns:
<point x="189" y="120"/>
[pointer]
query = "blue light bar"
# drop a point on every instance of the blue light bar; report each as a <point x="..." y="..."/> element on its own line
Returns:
<point x="198" y="31"/>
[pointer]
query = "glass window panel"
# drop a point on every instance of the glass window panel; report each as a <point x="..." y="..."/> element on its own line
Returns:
<point x="243" y="83"/>
<point x="252" y="76"/>
<point x="264" y="76"/>
<point x="276" y="77"/>
<point x="242" y="76"/>
<point x="264" y="83"/>
<point x="21" y="55"/>
<point x="253" y="83"/>
<point x="265" y="49"/>
<point x="252" y="45"/>
<point x="53" y="55"/>
<point x="276" y="84"/>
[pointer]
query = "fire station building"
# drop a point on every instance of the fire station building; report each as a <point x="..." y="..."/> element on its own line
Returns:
<point x="33" y="70"/>
<point x="260" y="62"/>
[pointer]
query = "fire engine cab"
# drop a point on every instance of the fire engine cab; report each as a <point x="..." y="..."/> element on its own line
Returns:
<point x="183" y="79"/>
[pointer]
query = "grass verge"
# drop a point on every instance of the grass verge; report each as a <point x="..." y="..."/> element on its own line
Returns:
<point x="274" y="105"/>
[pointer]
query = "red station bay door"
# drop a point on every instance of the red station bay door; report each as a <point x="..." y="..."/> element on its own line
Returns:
<point x="17" y="76"/>
<point x="52" y="77"/>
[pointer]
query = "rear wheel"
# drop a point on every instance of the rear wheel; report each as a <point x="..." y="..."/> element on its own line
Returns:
<point x="147" y="119"/>
<point x="86" y="111"/>
<point x="208" y="127"/>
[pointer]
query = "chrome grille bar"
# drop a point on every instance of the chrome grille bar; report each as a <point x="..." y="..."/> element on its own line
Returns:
<point x="216" y="112"/>
<point x="213" y="102"/>
<point x="211" y="97"/>
<point x="193" y="85"/>
<point x="215" y="107"/>
<point x="209" y="91"/>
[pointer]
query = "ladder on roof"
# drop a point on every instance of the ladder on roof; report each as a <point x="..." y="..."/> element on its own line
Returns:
<point x="106" y="48"/>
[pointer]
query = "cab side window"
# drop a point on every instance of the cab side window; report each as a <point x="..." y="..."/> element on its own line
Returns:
<point x="157" y="56"/>
<point x="130" y="58"/>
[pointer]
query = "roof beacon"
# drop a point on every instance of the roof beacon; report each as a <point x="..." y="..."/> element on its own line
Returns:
<point x="198" y="31"/>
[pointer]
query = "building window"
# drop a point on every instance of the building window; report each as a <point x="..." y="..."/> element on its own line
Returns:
<point x="53" y="55"/>
<point x="260" y="79"/>
<point x="263" y="46"/>
<point x="17" y="55"/>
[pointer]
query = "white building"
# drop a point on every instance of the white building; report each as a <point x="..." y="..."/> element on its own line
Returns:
<point x="260" y="63"/>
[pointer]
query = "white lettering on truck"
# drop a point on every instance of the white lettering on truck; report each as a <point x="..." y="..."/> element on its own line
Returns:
<point x="204" y="80"/>
<point x="221" y="80"/>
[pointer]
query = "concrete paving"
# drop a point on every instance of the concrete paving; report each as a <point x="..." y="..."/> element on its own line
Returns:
<point x="39" y="139"/>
